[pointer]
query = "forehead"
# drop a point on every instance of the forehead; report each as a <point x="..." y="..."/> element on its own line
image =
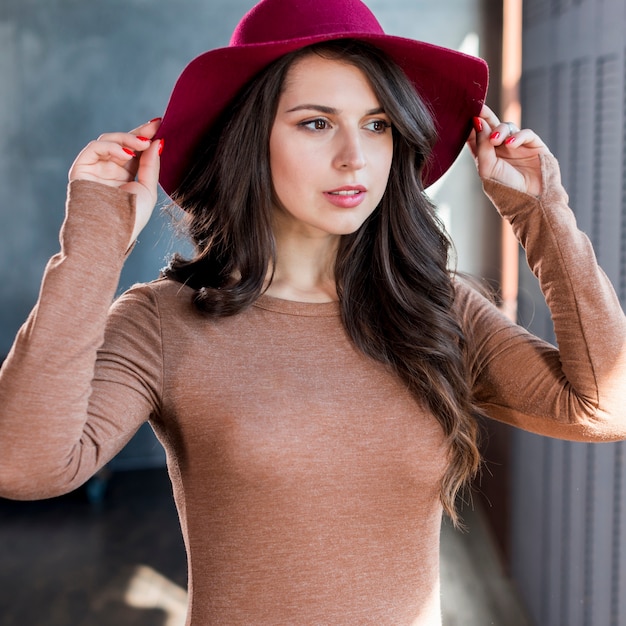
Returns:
<point x="313" y="76"/>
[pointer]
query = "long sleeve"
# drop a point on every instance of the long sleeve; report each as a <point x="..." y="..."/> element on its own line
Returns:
<point x="577" y="391"/>
<point x="61" y="418"/>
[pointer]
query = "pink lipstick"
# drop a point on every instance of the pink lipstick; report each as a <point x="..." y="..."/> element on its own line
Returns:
<point x="346" y="197"/>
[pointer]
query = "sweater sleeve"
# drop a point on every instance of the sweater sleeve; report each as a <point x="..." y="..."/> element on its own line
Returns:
<point x="68" y="402"/>
<point x="577" y="391"/>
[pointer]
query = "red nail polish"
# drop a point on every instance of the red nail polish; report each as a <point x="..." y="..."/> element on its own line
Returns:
<point x="509" y="141"/>
<point x="495" y="135"/>
<point x="478" y="124"/>
<point x="129" y="151"/>
<point x="161" y="144"/>
<point x="154" y="119"/>
<point x="142" y="138"/>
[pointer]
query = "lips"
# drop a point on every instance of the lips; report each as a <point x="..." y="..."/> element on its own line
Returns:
<point x="348" y="190"/>
<point x="346" y="197"/>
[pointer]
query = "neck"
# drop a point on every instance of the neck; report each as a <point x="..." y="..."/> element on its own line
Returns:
<point x="304" y="270"/>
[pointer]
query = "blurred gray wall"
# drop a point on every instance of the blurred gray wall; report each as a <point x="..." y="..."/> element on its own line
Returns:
<point x="70" y="70"/>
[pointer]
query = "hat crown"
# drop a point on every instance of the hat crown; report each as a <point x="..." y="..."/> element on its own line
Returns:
<point x="282" y="20"/>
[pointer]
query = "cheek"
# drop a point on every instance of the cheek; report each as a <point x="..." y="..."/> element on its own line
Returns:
<point x="389" y="155"/>
<point x="281" y="161"/>
<point x="285" y="175"/>
<point x="383" y="161"/>
<point x="292" y="169"/>
<point x="380" y="154"/>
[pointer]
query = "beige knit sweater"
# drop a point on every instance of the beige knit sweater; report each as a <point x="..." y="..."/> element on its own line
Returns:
<point x="305" y="475"/>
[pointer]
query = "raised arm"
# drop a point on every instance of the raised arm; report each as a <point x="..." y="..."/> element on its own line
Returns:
<point x="577" y="391"/>
<point x="59" y="421"/>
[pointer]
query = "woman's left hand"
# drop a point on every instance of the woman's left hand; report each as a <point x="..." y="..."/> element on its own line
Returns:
<point x="507" y="155"/>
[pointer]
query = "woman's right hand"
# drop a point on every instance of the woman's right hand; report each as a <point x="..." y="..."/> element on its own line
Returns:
<point x="129" y="161"/>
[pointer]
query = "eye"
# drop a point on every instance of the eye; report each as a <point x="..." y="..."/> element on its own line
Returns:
<point x="318" y="123"/>
<point x="378" y="126"/>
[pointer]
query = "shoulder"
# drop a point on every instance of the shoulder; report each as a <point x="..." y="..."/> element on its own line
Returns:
<point x="475" y="306"/>
<point x="162" y="297"/>
<point x="470" y="291"/>
<point x="150" y="316"/>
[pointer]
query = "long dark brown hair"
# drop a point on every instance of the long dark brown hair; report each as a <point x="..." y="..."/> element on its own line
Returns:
<point x="395" y="288"/>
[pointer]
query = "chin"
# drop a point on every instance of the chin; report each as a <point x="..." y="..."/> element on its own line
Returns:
<point x="347" y="227"/>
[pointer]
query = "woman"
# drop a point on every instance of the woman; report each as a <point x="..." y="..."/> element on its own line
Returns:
<point x="314" y="372"/>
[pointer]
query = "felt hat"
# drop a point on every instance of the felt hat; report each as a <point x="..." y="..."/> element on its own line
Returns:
<point x="452" y="84"/>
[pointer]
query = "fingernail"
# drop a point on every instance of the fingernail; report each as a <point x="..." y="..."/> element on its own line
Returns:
<point x="161" y="144"/>
<point x="478" y="124"/>
<point x="154" y="119"/>
<point x="142" y="138"/>
<point x="129" y="151"/>
<point x="510" y="140"/>
<point x="495" y="135"/>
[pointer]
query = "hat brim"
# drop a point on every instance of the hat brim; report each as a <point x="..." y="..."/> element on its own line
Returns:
<point x="452" y="84"/>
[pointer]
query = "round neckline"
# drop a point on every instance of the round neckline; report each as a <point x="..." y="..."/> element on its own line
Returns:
<point x="295" y="307"/>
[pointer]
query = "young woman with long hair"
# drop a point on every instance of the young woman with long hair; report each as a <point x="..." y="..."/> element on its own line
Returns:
<point x="315" y="371"/>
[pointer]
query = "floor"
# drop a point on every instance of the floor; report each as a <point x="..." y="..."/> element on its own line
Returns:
<point x="70" y="562"/>
<point x="475" y="590"/>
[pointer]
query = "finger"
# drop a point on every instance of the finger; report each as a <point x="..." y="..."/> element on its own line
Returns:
<point x="107" y="160"/>
<point x="502" y="131"/>
<point x="139" y="139"/>
<point x="149" y="165"/>
<point x="482" y="130"/>
<point x="483" y="124"/>
<point x="132" y="141"/>
<point x="526" y="138"/>
<point x="148" y="129"/>
<point x="489" y="116"/>
<point x="481" y="147"/>
<point x="147" y="179"/>
<point x="479" y="128"/>
<point x="146" y="132"/>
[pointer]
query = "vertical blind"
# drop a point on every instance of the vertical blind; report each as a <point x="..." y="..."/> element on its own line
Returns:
<point x="569" y="499"/>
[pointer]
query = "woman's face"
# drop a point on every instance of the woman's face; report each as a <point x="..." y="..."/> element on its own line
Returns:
<point x="330" y="149"/>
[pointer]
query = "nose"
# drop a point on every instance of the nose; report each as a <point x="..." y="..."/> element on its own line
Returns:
<point x="349" y="153"/>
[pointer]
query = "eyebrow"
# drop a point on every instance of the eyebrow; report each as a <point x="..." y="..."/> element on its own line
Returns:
<point x="329" y="110"/>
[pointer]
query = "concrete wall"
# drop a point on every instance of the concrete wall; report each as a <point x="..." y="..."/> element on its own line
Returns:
<point x="69" y="71"/>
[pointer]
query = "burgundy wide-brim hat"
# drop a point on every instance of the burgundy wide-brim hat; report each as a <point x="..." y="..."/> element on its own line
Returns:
<point x="452" y="84"/>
